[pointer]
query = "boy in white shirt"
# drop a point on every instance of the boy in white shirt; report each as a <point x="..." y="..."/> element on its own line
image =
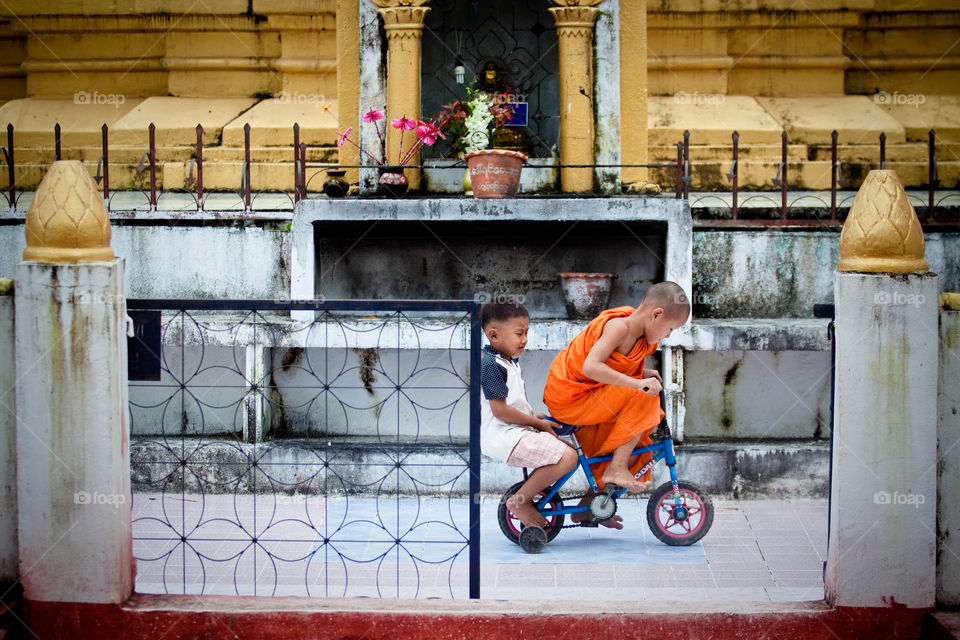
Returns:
<point x="510" y="431"/>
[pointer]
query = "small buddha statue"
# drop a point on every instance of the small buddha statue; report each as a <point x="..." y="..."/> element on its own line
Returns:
<point x="490" y="79"/>
<point x="514" y="138"/>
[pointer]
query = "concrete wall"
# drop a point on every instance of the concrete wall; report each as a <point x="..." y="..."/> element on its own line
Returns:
<point x="777" y="274"/>
<point x="948" y="469"/>
<point x="759" y="395"/>
<point x="458" y="260"/>
<point x="8" y="443"/>
<point x="189" y="259"/>
<point x="762" y="274"/>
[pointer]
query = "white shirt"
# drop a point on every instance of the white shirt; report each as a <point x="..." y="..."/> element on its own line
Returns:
<point x="498" y="438"/>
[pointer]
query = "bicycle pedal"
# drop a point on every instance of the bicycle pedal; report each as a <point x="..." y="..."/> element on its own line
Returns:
<point x="611" y="488"/>
<point x="593" y="524"/>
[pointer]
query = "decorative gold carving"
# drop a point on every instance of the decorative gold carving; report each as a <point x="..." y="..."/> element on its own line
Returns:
<point x="576" y="21"/>
<point x="577" y="3"/>
<point x="387" y="4"/>
<point x="950" y="301"/>
<point x="882" y="233"/>
<point x="67" y="221"/>
<point x="407" y="19"/>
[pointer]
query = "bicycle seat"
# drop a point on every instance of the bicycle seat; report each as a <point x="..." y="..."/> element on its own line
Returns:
<point x="564" y="429"/>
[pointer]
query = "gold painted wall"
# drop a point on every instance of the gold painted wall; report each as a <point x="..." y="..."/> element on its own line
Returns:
<point x="763" y="49"/>
<point x="217" y="48"/>
<point x="236" y="48"/>
<point x="780" y="48"/>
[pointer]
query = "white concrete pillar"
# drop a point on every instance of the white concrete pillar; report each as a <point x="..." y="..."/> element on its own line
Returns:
<point x="72" y="438"/>
<point x="883" y="499"/>
<point x="948" y="503"/>
<point x="8" y="440"/>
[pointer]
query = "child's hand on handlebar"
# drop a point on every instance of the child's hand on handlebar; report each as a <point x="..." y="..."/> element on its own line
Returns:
<point x="547" y="425"/>
<point x="650" y="386"/>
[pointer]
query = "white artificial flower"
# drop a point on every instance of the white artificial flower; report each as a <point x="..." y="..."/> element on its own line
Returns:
<point x="475" y="140"/>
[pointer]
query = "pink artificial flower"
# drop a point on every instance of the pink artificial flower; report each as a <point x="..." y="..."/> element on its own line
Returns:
<point x="404" y="124"/>
<point x="343" y="136"/>
<point x="427" y="132"/>
<point x="373" y="115"/>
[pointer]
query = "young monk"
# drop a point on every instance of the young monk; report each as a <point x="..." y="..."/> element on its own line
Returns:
<point x="599" y="380"/>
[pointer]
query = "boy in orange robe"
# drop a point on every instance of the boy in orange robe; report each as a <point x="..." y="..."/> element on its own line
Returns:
<point x="599" y="381"/>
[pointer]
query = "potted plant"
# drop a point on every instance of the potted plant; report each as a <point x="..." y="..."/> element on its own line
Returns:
<point x="492" y="173"/>
<point x="392" y="180"/>
<point x="585" y="294"/>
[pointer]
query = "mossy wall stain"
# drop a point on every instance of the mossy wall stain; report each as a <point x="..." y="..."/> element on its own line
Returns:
<point x="368" y="361"/>
<point x="727" y="411"/>
<point x="292" y="357"/>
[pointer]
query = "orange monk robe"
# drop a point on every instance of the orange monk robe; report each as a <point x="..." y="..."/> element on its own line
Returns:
<point x="618" y="413"/>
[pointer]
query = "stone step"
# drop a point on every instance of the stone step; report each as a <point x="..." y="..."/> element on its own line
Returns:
<point x="858" y="153"/>
<point x="712" y="175"/>
<point x="943" y="625"/>
<point x="743" y="469"/>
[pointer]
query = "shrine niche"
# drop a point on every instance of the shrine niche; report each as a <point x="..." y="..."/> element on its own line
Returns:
<point x="514" y="41"/>
<point x="561" y="61"/>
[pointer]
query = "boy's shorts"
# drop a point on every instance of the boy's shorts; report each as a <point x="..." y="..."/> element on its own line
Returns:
<point x="536" y="449"/>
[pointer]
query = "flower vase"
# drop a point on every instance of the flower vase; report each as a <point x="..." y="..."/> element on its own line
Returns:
<point x="585" y="294"/>
<point x="336" y="185"/>
<point x="393" y="183"/>
<point x="495" y="173"/>
<point x="467" y="186"/>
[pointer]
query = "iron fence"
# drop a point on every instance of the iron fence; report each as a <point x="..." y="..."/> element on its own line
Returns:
<point x="813" y="209"/>
<point x="310" y="448"/>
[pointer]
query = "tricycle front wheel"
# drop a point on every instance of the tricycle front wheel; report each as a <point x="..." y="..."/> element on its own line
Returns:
<point x="680" y="526"/>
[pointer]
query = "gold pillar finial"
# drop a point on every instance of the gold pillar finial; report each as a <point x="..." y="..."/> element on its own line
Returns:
<point x="403" y="24"/>
<point x="882" y="233"/>
<point x="575" y="21"/>
<point x="67" y="221"/>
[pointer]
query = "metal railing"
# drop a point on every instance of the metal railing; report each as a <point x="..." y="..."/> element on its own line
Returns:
<point x="680" y="170"/>
<point x="280" y="456"/>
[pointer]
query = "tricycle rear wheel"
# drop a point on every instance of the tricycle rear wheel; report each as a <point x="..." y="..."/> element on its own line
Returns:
<point x="510" y="524"/>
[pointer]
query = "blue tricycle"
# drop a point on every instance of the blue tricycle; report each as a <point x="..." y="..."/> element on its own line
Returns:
<point x="679" y="513"/>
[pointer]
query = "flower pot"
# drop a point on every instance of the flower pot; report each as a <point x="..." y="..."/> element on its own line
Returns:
<point x="336" y="185"/>
<point x="393" y="183"/>
<point x="495" y="173"/>
<point x="585" y="294"/>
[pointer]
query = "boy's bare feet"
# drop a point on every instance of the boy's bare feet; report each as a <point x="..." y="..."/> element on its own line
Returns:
<point x="525" y="512"/>
<point x="625" y="479"/>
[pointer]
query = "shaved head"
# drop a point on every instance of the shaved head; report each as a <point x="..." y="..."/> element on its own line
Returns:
<point x="670" y="297"/>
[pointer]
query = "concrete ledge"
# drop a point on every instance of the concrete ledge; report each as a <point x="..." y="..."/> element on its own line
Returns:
<point x="549" y="334"/>
<point x="176" y="120"/>
<point x="759" y="334"/>
<point x="794" y="469"/>
<point x="275" y="618"/>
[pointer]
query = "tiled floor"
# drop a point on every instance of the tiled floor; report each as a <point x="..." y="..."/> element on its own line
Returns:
<point x="757" y="550"/>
